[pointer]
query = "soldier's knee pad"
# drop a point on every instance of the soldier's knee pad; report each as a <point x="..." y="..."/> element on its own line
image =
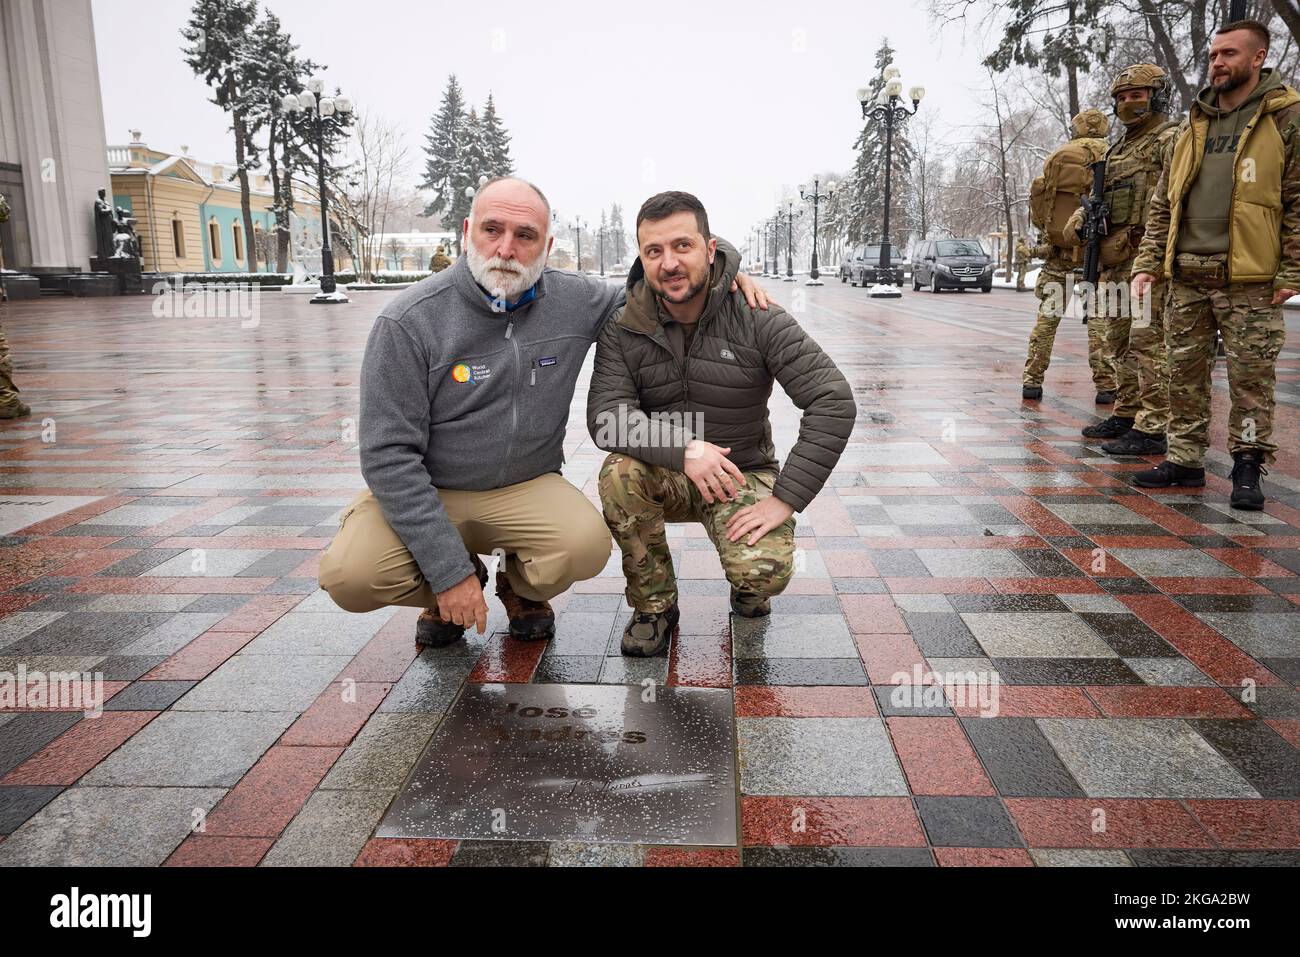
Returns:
<point x="616" y="473"/>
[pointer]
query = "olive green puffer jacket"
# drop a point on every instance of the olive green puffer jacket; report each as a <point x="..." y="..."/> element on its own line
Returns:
<point x="720" y="392"/>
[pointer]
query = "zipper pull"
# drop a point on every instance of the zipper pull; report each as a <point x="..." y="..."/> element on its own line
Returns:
<point x="510" y="327"/>
<point x="532" y="378"/>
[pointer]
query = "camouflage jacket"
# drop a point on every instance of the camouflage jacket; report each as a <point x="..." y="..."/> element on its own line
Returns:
<point x="1264" y="227"/>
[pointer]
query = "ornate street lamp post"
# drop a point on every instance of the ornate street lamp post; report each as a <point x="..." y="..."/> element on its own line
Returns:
<point x="769" y="235"/>
<point x="888" y="108"/>
<point x="815" y="197"/>
<point x="312" y="102"/>
<point x="578" y="225"/>
<point x="789" y="242"/>
<point x="600" y="243"/>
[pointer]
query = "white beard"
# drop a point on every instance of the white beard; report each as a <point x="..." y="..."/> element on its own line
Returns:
<point x="505" y="278"/>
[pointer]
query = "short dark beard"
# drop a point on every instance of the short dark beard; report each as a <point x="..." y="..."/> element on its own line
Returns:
<point x="691" y="292"/>
<point x="1233" y="81"/>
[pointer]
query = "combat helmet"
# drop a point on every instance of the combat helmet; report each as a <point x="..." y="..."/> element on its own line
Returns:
<point x="1145" y="76"/>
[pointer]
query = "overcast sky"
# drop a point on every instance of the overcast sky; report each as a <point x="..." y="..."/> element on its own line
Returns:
<point x="727" y="100"/>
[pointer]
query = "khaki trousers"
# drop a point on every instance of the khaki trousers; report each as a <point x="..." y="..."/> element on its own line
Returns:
<point x="547" y="531"/>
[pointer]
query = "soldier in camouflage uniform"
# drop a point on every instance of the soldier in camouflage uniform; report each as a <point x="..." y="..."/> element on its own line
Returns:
<point x="11" y="407"/>
<point x="1135" y="332"/>
<point x="1224" y="228"/>
<point x="1021" y="262"/>
<point x="1055" y="288"/>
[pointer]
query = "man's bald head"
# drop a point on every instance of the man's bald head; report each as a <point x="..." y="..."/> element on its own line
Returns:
<point x="511" y="191"/>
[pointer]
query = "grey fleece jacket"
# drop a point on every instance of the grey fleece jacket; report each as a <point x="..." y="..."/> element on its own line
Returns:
<point x="456" y="395"/>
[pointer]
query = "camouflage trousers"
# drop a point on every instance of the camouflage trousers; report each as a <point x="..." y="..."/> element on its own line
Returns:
<point x="1135" y="342"/>
<point x="638" y="499"/>
<point x="1253" y="333"/>
<point x="1055" y="289"/>
<point x="8" y="391"/>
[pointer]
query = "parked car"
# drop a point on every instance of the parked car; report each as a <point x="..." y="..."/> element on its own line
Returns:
<point x="862" y="268"/>
<point x="952" y="264"/>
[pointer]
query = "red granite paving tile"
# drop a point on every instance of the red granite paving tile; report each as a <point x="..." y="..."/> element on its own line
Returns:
<point x="1132" y="701"/>
<point x="988" y="480"/>
<point x="258" y="614"/>
<point x="266" y="798"/>
<point x="1160" y="514"/>
<point x="201" y="656"/>
<point x="121" y="586"/>
<point x="1128" y="822"/>
<point x="872" y="614"/>
<point x="17" y="601"/>
<point x="76" y="695"/>
<point x="681" y="857"/>
<point x="983" y="857"/>
<point x="773" y="701"/>
<point x="508" y="660"/>
<point x="1050" y="452"/>
<point x="406" y="852"/>
<point x="1285" y="512"/>
<point x="92" y="562"/>
<point x="77" y="515"/>
<point x="247" y="541"/>
<point x="192" y="516"/>
<point x="337" y="715"/>
<point x="80" y="748"/>
<point x="1269" y="541"/>
<point x="1208" y="586"/>
<point x="1035" y="701"/>
<point x="1249" y="563"/>
<point x="389" y="653"/>
<point x="1165" y="616"/>
<point x="1221" y="660"/>
<point x="700" y="661"/>
<point x="834" y="821"/>
<point x="203" y="585"/>
<point x="849" y="562"/>
<point x="310" y="567"/>
<point x="1047" y="586"/>
<point x="699" y="563"/>
<point x="1289" y="728"/>
<point x="205" y="850"/>
<point x="937" y="758"/>
<point x="940" y="586"/>
<point x="999" y="542"/>
<point x="829" y="516"/>
<point x="1250" y="823"/>
<point x="884" y="656"/>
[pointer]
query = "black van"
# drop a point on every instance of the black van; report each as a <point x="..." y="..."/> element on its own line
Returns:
<point x="862" y="268"/>
<point x="952" y="264"/>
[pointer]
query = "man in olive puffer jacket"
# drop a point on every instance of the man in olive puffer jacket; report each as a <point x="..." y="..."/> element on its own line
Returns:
<point x="679" y="398"/>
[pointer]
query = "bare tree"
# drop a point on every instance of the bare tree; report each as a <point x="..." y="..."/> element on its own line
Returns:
<point x="381" y="159"/>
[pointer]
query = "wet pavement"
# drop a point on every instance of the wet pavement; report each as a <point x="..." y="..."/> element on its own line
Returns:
<point x="994" y="650"/>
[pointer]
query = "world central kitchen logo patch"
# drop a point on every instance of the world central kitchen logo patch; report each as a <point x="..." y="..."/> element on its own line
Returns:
<point x="470" y="372"/>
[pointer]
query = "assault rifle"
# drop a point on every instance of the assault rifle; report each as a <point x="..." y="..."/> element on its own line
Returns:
<point x="1095" y="212"/>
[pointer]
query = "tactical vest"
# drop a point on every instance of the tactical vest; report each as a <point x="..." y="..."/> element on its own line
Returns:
<point x="1132" y="170"/>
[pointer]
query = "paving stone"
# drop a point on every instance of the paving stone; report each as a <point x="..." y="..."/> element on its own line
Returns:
<point x="329" y="831"/>
<point x="792" y="636"/>
<point x="812" y="756"/>
<point x="967" y="822"/>
<point x="264" y="683"/>
<point x="383" y="753"/>
<point x="301" y="633"/>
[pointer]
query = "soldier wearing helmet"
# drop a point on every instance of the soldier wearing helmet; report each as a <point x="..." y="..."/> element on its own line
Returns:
<point x="1134" y="333"/>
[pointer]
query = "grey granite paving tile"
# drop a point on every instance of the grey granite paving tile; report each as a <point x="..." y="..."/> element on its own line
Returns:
<point x="148" y="696"/>
<point x="1053" y="857"/>
<point x="837" y="857"/>
<point x="1259" y="635"/>
<point x="1261" y="755"/>
<point x="383" y="752"/>
<point x="18" y="803"/>
<point x="501" y="854"/>
<point x="172" y="635"/>
<point x="800" y="671"/>
<point x="264" y="683"/>
<point x="792" y="636"/>
<point x="817" y="756"/>
<point x="25" y="734"/>
<point x="568" y="669"/>
<point x="942" y="635"/>
<point x="303" y="633"/>
<point x="329" y="831"/>
<point x="967" y="821"/>
<point x="429" y="685"/>
<point x="1035" y="635"/>
<point x="1169" y="672"/>
<point x="1019" y="759"/>
<point x="574" y="854"/>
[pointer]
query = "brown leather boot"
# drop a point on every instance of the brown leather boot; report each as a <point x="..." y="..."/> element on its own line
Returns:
<point x="529" y="620"/>
<point x="431" y="631"/>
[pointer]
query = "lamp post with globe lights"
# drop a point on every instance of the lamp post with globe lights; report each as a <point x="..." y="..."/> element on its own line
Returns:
<point x="312" y="102"/>
<point x="578" y="227"/>
<point x="789" y="241"/>
<point x="815" y="196"/>
<point x="888" y="108"/>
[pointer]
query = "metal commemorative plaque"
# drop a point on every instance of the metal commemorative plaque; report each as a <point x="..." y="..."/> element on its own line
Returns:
<point x="593" y="763"/>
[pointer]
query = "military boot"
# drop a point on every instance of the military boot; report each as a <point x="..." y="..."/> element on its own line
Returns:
<point x="529" y="620"/>
<point x="1167" y="474"/>
<point x="1105" y="397"/>
<point x="647" y="633"/>
<point x="748" y="605"/>
<point x="1137" y="442"/>
<point x="1246" y="493"/>
<point x="1031" y="392"/>
<point x="1111" y="428"/>
<point x="15" y="409"/>
<point x="431" y="631"/>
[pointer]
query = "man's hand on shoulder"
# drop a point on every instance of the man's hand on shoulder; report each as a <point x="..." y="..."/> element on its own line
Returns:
<point x="755" y="298"/>
<point x="715" y="475"/>
<point x="463" y="604"/>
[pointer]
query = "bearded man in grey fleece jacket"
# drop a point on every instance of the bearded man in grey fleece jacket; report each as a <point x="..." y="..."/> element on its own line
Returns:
<point x="465" y="393"/>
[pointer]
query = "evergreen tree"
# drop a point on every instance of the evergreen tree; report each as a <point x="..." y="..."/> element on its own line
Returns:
<point x="442" y="167"/>
<point x="618" y="233"/>
<point x="218" y="34"/>
<point x="1058" y="35"/>
<point x="866" y="202"/>
<point x="496" y="142"/>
